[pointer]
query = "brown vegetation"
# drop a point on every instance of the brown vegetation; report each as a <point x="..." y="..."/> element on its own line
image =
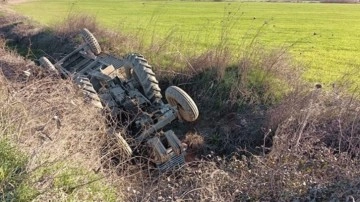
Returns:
<point x="48" y="120"/>
<point x="255" y="140"/>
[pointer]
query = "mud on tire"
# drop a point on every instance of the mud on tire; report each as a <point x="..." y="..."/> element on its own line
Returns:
<point x="90" y="39"/>
<point x="185" y="105"/>
<point x="138" y="68"/>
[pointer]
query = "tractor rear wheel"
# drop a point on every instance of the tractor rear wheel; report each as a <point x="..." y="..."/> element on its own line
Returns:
<point x="137" y="68"/>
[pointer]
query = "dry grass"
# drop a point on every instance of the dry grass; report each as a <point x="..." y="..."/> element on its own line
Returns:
<point x="110" y="41"/>
<point x="316" y="147"/>
<point x="310" y="158"/>
<point x="258" y="77"/>
<point x="48" y="120"/>
<point x="250" y="144"/>
<point x="49" y="101"/>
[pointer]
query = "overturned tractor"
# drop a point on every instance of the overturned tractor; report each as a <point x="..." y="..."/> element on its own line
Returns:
<point x="128" y="84"/>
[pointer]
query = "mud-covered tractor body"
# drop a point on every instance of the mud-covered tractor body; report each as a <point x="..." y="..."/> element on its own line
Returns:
<point x="128" y="86"/>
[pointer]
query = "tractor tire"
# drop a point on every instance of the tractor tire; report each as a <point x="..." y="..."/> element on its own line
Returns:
<point x="137" y="68"/>
<point x="115" y="151"/>
<point x="126" y="150"/>
<point x="186" y="107"/>
<point x="46" y="64"/>
<point x="90" y="39"/>
<point x="89" y="91"/>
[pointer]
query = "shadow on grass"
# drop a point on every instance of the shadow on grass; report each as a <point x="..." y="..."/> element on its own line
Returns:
<point x="32" y="42"/>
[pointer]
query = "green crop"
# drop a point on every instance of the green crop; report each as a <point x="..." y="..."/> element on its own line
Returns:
<point x="324" y="37"/>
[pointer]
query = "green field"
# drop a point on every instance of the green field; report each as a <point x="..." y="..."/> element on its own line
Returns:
<point x="325" y="37"/>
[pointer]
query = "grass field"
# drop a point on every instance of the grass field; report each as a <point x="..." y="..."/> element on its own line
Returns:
<point x="325" y="37"/>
